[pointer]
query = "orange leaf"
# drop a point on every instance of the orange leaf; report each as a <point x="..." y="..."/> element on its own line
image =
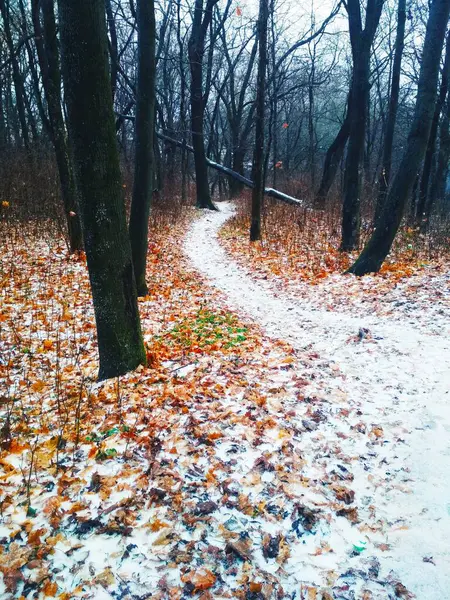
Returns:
<point x="50" y="589"/>
<point x="201" y="579"/>
<point x="38" y="386"/>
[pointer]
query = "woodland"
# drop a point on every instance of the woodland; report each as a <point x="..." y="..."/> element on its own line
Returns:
<point x="224" y="299"/>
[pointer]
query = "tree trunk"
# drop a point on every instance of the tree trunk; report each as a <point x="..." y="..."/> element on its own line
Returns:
<point x="393" y="106"/>
<point x="361" y="42"/>
<point x="196" y="48"/>
<point x="96" y="159"/>
<point x="379" y="245"/>
<point x="48" y="57"/>
<point x="258" y="155"/>
<point x="144" y="139"/>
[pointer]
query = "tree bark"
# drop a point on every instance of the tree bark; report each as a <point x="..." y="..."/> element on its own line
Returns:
<point x="144" y="139"/>
<point x="379" y="245"/>
<point x="361" y="42"/>
<point x="393" y="106"/>
<point x="96" y="160"/>
<point x="258" y="170"/>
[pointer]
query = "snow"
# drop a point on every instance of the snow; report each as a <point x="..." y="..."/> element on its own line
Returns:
<point x="396" y="381"/>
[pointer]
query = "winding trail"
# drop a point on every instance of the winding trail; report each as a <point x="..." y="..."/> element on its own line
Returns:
<point x="399" y="381"/>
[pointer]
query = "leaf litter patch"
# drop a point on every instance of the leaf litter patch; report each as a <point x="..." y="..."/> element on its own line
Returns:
<point x="209" y="474"/>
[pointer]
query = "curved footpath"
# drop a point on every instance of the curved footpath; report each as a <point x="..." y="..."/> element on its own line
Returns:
<point x="398" y="382"/>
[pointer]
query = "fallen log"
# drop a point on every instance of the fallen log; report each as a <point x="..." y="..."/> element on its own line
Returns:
<point x="227" y="171"/>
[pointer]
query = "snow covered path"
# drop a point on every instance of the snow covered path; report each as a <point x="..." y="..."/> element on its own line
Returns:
<point x="396" y="384"/>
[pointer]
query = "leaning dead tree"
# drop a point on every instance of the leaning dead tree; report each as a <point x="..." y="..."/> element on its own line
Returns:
<point x="276" y="194"/>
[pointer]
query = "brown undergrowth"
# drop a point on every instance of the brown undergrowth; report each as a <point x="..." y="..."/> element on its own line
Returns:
<point x="302" y="244"/>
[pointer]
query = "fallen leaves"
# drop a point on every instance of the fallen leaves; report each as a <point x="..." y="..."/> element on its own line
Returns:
<point x="344" y="494"/>
<point x="197" y="469"/>
<point x="199" y="581"/>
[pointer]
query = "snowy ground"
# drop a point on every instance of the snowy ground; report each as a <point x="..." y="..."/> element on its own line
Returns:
<point x="394" y="395"/>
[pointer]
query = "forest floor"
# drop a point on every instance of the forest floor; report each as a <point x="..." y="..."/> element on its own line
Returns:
<point x="285" y="441"/>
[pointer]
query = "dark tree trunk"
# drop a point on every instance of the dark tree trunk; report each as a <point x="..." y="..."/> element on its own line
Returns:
<point x="421" y="215"/>
<point x="258" y="170"/>
<point x="48" y="57"/>
<point x="333" y="158"/>
<point x="361" y="42"/>
<point x="96" y="159"/>
<point x="379" y="245"/>
<point x="200" y="24"/>
<point x="393" y="106"/>
<point x="144" y="139"/>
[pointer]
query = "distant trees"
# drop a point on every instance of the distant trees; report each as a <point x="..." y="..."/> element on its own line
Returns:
<point x="45" y="30"/>
<point x="425" y="199"/>
<point x="379" y="245"/>
<point x="342" y="103"/>
<point x="96" y="161"/>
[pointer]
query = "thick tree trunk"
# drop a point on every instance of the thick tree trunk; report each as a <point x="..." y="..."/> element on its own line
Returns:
<point x="201" y="22"/>
<point x="379" y="245"/>
<point x="48" y="57"/>
<point x="258" y="170"/>
<point x="393" y="106"/>
<point x="333" y="158"/>
<point x="92" y="132"/>
<point x="144" y="140"/>
<point x="361" y="42"/>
